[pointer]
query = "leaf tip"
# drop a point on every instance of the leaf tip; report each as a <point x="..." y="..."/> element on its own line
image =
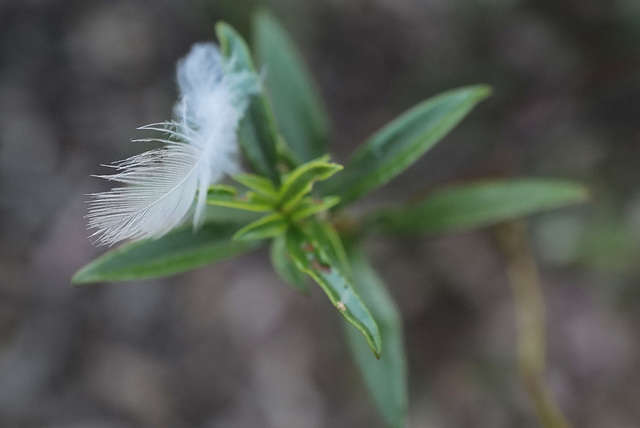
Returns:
<point x="483" y="91"/>
<point x="375" y="343"/>
<point x="585" y="194"/>
<point x="377" y="351"/>
<point x="221" y="26"/>
<point x="239" y="236"/>
<point x="81" y="277"/>
<point x="224" y="32"/>
<point x="262" y="17"/>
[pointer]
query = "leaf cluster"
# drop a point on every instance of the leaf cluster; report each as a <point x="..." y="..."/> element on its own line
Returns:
<point x="284" y="138"/>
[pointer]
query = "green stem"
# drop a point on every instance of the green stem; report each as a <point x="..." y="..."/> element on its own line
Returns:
<point x="530" y="319"/>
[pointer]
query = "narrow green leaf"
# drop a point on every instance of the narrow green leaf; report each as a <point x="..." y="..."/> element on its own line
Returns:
<point x="325" y="237"/>
<point x="178" y="251"/>
<point x="309" y="206"/>
<point x="399" y="144"/>
<point x="386" y="378"/>
<point x="299" y="110"/>
<point x="249" y="202"/>
<point x="300" y="181"/>
<point x="267" y="227"/>
<point x="472" y="205"/>
<point x="218" y="214"/>
<point x="221" y="190"/>
<point x="257" y="131"/>
<point x="261" y="200"/>
<point x="311" y="258"/>
<point x="284" y="266"/>
<point x="259" y="184"/>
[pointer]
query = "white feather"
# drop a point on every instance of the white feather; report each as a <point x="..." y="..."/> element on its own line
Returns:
<point x="200" y="147"/>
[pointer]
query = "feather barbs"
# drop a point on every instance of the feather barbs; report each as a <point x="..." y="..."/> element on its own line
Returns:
<point x="162" y="187"/>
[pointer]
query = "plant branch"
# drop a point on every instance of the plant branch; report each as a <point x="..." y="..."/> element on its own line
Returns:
<point x="529" y="308"/>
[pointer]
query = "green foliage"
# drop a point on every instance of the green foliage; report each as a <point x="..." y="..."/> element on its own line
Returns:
<point x="269" y="226"/>
<point x="313" y="258"/>
<point x="386" y="378"/>
<point x="479" y="204"/>
<point x="310" y="206"/>
<point x="326" y="238"/>
<point x="221" y="190"/>
<point x="257" y="134"/>
<point x="283" y="265"/>
<point x="399" y="144"/>
<point x="249" y="202"/>
<point x="276" y="202"/>
<point x="299" y="111"/>
<point x="261" y="185"/>
<point x="178" y="251"/>
<point x="299" y="182"/>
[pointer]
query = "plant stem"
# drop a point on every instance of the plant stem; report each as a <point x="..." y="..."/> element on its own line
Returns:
<point x="529" y="308"/>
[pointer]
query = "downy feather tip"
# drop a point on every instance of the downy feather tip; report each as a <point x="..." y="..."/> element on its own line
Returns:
<point x="162" y="187"/>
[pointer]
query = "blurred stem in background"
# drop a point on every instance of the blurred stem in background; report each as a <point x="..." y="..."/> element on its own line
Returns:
<point x="522" y="272"/>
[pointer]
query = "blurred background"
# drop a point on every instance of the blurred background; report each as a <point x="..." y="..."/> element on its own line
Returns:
<point x="231" y="346"/>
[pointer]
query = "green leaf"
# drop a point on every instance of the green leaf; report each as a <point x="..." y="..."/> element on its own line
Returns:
<point x="261" y="185"/>
<point x="284" y="266"/>
<point x="221" y="190"/>
<point x="218" y="214"/>
<point x="267" y="227"/>
<point x="479" y="204"/>
<point x="300" y="181"/>
<point x="312" y="259"/>
<point x="399" y="144"/>
<point x="178" y="251"/>
<point x="257" y="131"/>
<point x="309" y="206"/>
<point x="325" y="237"/>
<point x="249" y="202"/>
<point x="386" y="379"/>
<point x="299" y="111"/>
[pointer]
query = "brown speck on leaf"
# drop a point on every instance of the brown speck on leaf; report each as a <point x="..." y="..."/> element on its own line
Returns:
<point x="307" y="247"/>
<point x="320" y="267"/>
